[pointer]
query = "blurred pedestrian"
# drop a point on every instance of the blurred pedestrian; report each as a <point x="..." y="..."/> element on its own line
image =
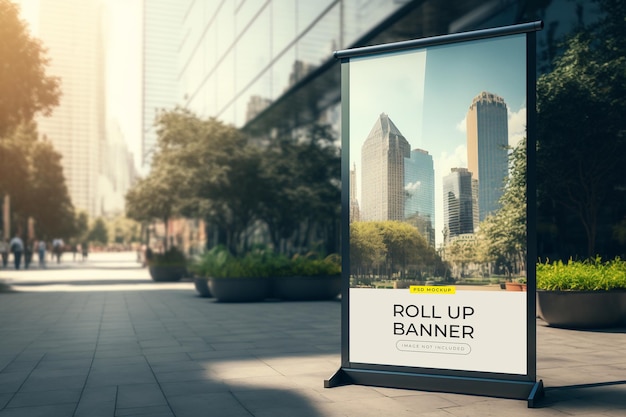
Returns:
<point x="57" y="249"/>
<point x="28" y="253"/>
<point x="17" y="247"/>
<point x="41" y="249"/>
<point x="85" y="250"/>
<point x="4" y="252"/>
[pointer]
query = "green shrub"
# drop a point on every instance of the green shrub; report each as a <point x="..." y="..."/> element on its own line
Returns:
<point x="262" y="262"/>
<point x="172" y="256"/>
<point x="588" y="275"/>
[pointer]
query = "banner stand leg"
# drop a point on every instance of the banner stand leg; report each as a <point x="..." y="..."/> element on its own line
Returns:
<point x="338" y="379"/>
<point x="536" y="395"/>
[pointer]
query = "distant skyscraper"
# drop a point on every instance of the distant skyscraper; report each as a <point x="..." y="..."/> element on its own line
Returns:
<point x="162" y="27"/>
<point x="382" y="172"/>
<point x="487" y="140"/>
<point x="355" y="213"/>
<point x="419" y="187"/>
<point x="72" y="32"/>
<point x="457" y="203"/>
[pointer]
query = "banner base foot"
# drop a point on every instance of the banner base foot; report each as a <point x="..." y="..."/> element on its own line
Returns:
<point x="338" y="379"/>
<point x="536" y="394"/>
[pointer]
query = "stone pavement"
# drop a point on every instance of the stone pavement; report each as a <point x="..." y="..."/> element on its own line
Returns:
<point x="101" y="339"/>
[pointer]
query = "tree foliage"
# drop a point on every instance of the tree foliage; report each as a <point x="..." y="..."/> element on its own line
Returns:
<point x="32" y="174"/>
<point x="582" y="136"/>
<point x="502" y="235"/>
<point x="301" y="189"/>
<point x="207" y="169"/>
<point x="25" y="88"/>
<point x="98" y="232"/>
<point x="50" y="202"/>
<point x="389" y="249"/>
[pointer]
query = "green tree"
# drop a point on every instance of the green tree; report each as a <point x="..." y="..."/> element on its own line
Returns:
<point x="153" y="198"/>
<point x="582" y="137"/>
<point x="49" y="202"/>
<point x="25" y="88"/>
<point x="502" y="235"/>
<point x="301" y="198"/>
<point x="82" y="226"/>
<point x="386" y="248"/>
<point x="98" y="232"/>
<point x="220" y="179"/>
<point x="367" y="250"/>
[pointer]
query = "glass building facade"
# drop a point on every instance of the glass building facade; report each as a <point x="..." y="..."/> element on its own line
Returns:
<point x="457" y="203"/>
<point x="419" y="187"/>
<point x="268" y="66"/>
<point x="382" y="176"/>
<point x="162" y="24"/>
<point x="487" y="141"/>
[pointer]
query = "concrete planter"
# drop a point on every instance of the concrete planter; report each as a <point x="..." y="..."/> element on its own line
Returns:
<point x="167" y="273"/>
<point x="202" y="286"/>
<point x="582" y="309"/>
<point x="244" y="289"/>
<point x="307" y="288"/>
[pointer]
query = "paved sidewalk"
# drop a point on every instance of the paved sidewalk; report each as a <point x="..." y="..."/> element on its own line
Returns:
<point x="101" y="339"/>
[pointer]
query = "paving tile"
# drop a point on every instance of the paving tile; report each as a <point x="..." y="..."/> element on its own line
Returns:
<point x="139" y="395"/>
<point x="36" y="383"/>
<point x="221" y="404"/>
<point x="63" y="410"/>
<point x="37" y="398"/>
<point x="120" y="374"/>
<point x="173" y="389"/>
<point x="150" y="411"/>
<point x="98" y="402"/>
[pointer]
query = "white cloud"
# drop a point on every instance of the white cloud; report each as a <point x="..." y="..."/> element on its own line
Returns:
<point x="517" y="126"/>
<point x="462" y="125"/>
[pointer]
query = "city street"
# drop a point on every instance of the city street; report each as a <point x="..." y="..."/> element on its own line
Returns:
<point x="99" y="338"/>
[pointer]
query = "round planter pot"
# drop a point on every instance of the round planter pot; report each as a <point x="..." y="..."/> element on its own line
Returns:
<point x="167" y="273"/>
<point x="202" y="286"/>
<point x="582" y="309"/>
<point x="515" y="286"/>
<point x="244" y="289"/>
<point x="301" y="288"/>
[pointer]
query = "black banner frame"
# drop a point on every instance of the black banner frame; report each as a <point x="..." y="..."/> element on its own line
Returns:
<point x="513" y="386"/>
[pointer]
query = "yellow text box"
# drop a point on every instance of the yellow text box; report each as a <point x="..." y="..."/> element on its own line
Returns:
<point x="428" y="289"/>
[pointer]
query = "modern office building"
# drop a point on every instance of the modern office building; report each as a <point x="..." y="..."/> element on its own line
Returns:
<point x="419" y="187"/>
<point x="268" y="66"/>
<point x="72" y="30"/>
<point x="382" y="172"/>
<point x="162" y="31"/>
<point x="487" y="141"/>
<point x="355" y="211"/>
<point x="457" y="203"/>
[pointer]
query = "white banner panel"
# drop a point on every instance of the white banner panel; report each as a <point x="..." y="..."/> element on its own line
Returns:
<point x="459" y="330"/>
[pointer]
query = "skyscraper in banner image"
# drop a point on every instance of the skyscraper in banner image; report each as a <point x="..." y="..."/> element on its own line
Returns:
<point x="457" y="203"/>
<point x="382" y="172"/>
<point x="487" y="140"/>
<point x="419" y="187"/>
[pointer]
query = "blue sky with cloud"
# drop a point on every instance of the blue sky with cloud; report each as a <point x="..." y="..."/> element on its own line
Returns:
<point x="427" y="94"/>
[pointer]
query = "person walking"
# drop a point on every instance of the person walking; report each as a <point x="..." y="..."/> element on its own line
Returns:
<point x="17" y="247"/>
<point x="41" y="249"/>
<point x="4" y="252"/>
<point x="28" y="252"/>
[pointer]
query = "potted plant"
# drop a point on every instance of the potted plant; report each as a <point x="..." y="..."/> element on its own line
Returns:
<point x="168" y="266"/>
<point x="236" y="278"/>
<point x="517" y="285"/>
<point x="309" y="278"/>
<point x="582" y="294"/>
